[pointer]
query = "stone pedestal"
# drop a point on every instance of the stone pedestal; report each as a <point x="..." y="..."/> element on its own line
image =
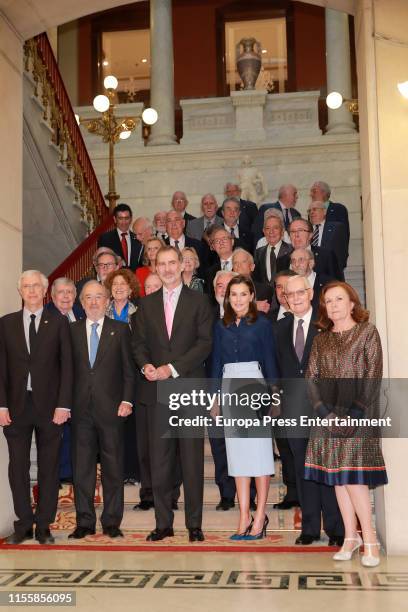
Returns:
<point x="249" y="115"/>
<point x="338" y="70"/>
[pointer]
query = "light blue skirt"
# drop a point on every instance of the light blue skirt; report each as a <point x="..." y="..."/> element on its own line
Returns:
<point x="246" y="456"/>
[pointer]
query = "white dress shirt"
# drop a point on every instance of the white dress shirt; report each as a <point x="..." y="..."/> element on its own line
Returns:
<point x="311" y="278"/>
<point x="181" y="242"/>
<point x="268" y="257"/>
<point x="70" y="316"/>
<point x="128" y="241"/>
<point x="226" y="264"/>
<point x="174" y="301"/>
<point x="281" y="312"/>
<point x="235" y="228"/>
<point x="306" y="323"/>
<point x="26" y="321"/>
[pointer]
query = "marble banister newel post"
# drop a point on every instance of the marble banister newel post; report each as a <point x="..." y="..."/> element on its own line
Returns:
<point x="249" y="114"/>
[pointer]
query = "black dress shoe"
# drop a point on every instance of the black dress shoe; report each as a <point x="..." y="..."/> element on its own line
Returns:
<point x="335" y="540"/>
<point x="144" y="505"/>
<point x="160" y="534"/>
<point x="286" y="505"/>
<point x="81" y="532"/>
<point x="17" y="538"/>
<point x="225" y="504"/>
<point x="195" y="535"/>
<point x="44" y="536"/>
<point x="306" y="539"/>
<point x="113" y="532"/>
<point x="174" y="505"/>
<point x="252" y="505"/>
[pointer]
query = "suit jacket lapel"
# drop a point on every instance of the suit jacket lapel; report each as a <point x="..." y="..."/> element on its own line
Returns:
<point x="21" y="335"/>
<point x="104" y="340"/>
<point x="180" y="309"/>
<point x="310" y="335"/>
<point x="80" y="327"/>
<point x="291" y="323"/>
<point x="158" y="306"/>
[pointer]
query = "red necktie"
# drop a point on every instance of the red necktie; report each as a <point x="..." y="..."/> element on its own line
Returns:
<point x="125" y="249"/>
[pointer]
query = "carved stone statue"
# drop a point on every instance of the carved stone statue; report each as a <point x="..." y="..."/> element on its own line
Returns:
<point x="251" y="181"/>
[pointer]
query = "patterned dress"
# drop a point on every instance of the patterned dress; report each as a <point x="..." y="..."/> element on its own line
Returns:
<point x="344" y="373"/>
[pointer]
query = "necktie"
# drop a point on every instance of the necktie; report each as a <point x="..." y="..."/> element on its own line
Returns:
<point x="300" y="340"/>
<point x="125" y="249"/>
<point x="272" y="260"/>
<point x="93" y="344"/>
<point x="225" y="265"/>
<point x="232" y="232"/>
<point x="287" y="220"/>
<point x="176" y="244"/>
<point x="315" y="235"/>
<point x="169" y="313"/>
<point x="32" y="333"/>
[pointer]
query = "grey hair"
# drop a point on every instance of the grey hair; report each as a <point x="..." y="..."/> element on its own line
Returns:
<point x="241" y="250"/>
<point x="221" y="273"/>
<point x="63" y="280"/>
<point x="283" y="188"/>
<point x="277" y="214"/>
<point x="304" y="279"/>
<point x="105" y="251"/>
<point x="93" y="282"/>
<point x="44" y="279"/>
<point x="308" y="252"/>
<point x="325" y="187"/>
<point x="146" y="220"/>
<point x="231" y="199"/>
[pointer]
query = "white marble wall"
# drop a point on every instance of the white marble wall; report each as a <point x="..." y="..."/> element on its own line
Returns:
<point x="146" y="177"/>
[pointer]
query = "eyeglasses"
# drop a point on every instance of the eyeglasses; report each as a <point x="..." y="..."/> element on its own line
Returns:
<point x="35" y="286"/>
<point x="296" y="294"/>
<point x="104" y="266"/>
<point x="299" y="231"/>
<point x="219" y="241"/>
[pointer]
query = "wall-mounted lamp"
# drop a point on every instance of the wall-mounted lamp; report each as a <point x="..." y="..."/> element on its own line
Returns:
<point x="403" y="89"/>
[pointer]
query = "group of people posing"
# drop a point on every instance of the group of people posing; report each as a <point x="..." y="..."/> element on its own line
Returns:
<point x="238" y="293"/>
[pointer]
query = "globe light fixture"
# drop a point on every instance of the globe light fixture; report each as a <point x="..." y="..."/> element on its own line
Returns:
<point x="101" y="103"/>
<point x="334" y="100"/>
<point x="110" y="82"/>
<point x="150" y="116"/>
<point x="124" y="135"/>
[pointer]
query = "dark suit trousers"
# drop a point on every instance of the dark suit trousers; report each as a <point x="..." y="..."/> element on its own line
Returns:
<point x="90" y="436"/>
<point x="288" y="468"/>
<point x="315" y="499"/>
<point x="142" y="436"/>
<point x="48" y="440"/>
<point x="163" y="461"/>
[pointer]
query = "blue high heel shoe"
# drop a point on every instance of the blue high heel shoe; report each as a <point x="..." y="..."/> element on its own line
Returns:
<point x="260" y="535"/>
<point x="242" y="536"/>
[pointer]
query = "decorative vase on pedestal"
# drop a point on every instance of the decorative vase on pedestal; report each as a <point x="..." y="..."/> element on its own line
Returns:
<point x="249" y="61"/>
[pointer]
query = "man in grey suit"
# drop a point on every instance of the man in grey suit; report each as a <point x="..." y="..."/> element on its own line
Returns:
<point x="104" y="380"/>
<point x="172" y="337"/>
<point x="209" y="206"/>
<point x="274" y="256"/>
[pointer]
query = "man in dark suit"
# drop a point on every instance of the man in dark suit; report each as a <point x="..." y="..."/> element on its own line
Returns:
<point x="277" y="313"/>
<point x="175" y="226"/>
<point x="249" y="209"/>
<point x="330" y="235"/>
<point x="104" y="262"/>
<point x="287" y="198"/>
<point x="274" y="256"/>
<point x="223" y="244"/>
<point x="121" y="240"/>
<point x="301" y="233"/>
<point x="104" y="379"/>
<point x="35" y="395"/>
<point x="302" y="262"/>
<point x="196" y="227"/>
<point x="172" y="338"/>
<point x="179" y="203"/>
<point x="243" y="263"/>
<point x="294" y="335"/>
<point x="320" y="191"/>
<point x="235" y="224"/>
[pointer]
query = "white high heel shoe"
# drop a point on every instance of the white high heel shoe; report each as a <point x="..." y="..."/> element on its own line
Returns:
<point x="346" y="555"/>
<point x="369" y="560"/>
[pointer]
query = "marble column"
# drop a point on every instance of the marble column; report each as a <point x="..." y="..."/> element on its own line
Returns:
<point x="338" y="70"/>
<point x="162" y="72"/>
<point x="11" y="166"/>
